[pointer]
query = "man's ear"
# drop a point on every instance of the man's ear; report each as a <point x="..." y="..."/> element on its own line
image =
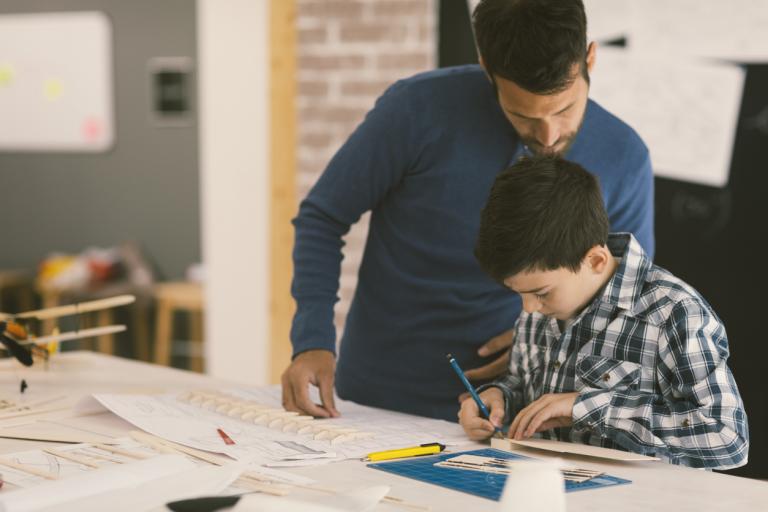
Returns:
<point x="597" y="259"/>
<point x="591" y="56"/>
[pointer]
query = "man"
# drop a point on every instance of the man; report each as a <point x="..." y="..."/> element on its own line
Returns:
<point x="423" y="162"/>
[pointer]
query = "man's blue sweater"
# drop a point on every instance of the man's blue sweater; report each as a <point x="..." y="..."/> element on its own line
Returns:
<point x="423" y="161"/>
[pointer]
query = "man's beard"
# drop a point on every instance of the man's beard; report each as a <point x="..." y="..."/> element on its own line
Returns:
<point x="563" y="144"/>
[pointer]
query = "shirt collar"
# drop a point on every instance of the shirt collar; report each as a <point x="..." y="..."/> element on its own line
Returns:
<point x="625" y="286"/>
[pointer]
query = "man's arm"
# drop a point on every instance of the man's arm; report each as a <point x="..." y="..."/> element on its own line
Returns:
<point x="371" y="162"/>
<point x="699" y="418"/>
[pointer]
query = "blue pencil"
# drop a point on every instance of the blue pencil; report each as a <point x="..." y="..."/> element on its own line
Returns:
<point x="471" y="389"/>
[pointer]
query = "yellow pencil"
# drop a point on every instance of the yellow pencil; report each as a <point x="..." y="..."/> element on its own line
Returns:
<point x="413" y="451"/>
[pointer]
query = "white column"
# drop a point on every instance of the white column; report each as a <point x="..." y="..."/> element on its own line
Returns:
<point x="233" y="73"/>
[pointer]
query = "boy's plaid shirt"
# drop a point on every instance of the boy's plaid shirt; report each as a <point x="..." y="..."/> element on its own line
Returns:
<point x="648" y="358"/>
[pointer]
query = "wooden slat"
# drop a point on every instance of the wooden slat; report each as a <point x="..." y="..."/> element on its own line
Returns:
<point x="283" y="178"/>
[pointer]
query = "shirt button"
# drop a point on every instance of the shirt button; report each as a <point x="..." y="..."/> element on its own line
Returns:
<point x="686" y="423"/>
<point x="606" y="377"/>
<point x="556" y="365"/>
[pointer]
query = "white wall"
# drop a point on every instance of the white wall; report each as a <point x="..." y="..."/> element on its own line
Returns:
<point x="233" y="38"/>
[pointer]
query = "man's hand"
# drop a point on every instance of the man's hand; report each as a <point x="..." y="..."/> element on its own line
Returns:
<point x="498" y="366"/>
<point x="549" y="411"/>
<point x="477" y="427"/>
<point x="316" y="367"/>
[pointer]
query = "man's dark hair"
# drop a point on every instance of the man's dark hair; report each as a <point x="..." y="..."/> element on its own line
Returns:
<point x="543" y="213"/>
<point x="533" y="43"/>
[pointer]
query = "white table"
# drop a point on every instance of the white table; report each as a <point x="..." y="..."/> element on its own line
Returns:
<point x="656" y="486"/>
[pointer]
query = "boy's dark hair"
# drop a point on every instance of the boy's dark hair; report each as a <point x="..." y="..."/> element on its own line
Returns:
<point x="533" y="43"/>
<point x="543" y="213"/>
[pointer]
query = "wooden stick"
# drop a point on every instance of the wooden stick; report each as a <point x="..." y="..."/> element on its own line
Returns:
<point x="150" y="439"/>
<point x="74" y="309"/>
<point x="75" y="335"/>
<point x="402" y="503"/>
<point x="25" y="469"/>
<point x="33" y="411"/>
<point x="120" y="451"/>
<point x="71" y="457"/>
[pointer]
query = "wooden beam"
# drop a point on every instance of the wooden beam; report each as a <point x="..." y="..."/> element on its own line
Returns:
<point x="282" y="41"/>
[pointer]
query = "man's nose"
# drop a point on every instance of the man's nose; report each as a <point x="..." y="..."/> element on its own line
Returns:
<point x="547" y="133"/>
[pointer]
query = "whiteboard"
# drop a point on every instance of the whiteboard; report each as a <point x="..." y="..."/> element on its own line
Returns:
<point x="56" y="86"/>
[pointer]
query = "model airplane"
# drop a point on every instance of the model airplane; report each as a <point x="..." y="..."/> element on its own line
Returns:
<point x="16" y="331"/>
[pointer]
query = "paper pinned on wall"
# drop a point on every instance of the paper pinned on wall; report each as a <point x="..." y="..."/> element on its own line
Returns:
<point x="685" y="111"/>
<point x="733" y="30"/>
<point x="56" y="84"/>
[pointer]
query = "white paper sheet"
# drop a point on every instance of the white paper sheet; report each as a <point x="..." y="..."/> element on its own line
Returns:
<point x="152" y="495"/>
<point x="358" y="500"/>
<point x="88" y="483"/>
<point x="734" y="30"/>
<point x="167" y="417"/>
<point x="571" y="448"/>
<point x="685" y="111"/>
<point x="609" y="19"/>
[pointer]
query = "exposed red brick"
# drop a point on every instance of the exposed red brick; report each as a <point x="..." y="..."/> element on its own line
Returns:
<point x="328" y="62"/>
<point x="373" y="32"/>
<point x="330" y="9"/>
<point x="331" y="114"/>
<point x="402" y="7"/>
<point x="361" y="88"/>
<point x="312" y="35"/>
<point x="314" y="88"/>
<point x="405" y="61"/>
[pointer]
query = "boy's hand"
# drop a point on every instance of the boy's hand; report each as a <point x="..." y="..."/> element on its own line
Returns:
<point x="549" y="411"/>
<point x="477" y="427"/>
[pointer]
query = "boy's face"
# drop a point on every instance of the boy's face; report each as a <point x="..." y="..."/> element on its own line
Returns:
<point x="562" y="293"/>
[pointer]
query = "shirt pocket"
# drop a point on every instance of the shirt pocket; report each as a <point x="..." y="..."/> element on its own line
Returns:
<point x="598" y="372"/>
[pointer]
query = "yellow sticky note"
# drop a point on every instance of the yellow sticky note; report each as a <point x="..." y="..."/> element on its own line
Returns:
<point x="53" y="89"/>
<point x="6" y="75"/>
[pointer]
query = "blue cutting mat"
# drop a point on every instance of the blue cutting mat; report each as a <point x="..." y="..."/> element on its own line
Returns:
<point x="485" y="485"/>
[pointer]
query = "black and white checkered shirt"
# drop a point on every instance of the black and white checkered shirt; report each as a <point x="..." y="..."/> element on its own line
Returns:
<point x="648" y="358"/>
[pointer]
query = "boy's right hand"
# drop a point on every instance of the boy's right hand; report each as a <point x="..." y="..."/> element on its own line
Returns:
<point x="477" y="427"/>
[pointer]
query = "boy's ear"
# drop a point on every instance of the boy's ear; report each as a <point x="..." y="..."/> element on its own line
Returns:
<point x="597" y="259"/>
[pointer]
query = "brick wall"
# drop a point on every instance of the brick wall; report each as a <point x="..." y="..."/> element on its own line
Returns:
<point x="349" y="51"/>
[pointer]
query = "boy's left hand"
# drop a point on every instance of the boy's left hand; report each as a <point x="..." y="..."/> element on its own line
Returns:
<point x="549" y="411"/>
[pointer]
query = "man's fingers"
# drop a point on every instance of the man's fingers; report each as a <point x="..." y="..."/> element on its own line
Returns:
<point x="326" y="395"/>
<point x="305" y="405"/>
<point x="289" y="404"/>
<point x="493" y="369"/>
<point x="497" y="343"/>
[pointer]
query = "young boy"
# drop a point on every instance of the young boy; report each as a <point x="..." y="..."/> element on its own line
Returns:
<point x="610" y="350"/>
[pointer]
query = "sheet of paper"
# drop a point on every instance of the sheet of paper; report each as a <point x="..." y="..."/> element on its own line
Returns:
<point x="572" y="448"/>
<point x="609" y="19"/>
<point x="685" y="111"/>
<point x="62" y="468"/>
<point x="358" y="500"/>
<point x="733" y="30"/>
<point x="154" y="494"/>
<point x="168" y="417"/>
<point x="121" y="476"/>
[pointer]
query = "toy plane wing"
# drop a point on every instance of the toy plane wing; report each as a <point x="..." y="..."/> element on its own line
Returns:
<point x="71" y="309"/>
